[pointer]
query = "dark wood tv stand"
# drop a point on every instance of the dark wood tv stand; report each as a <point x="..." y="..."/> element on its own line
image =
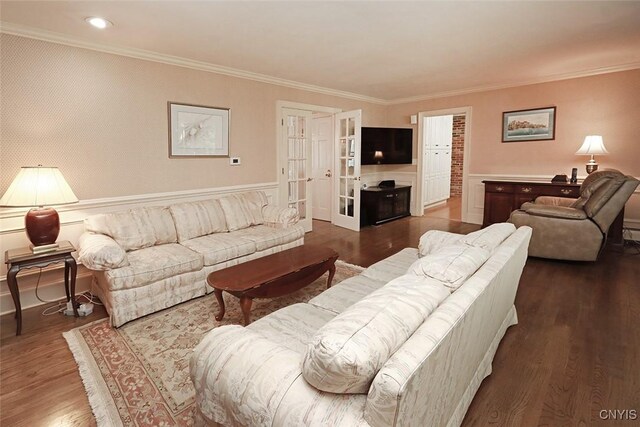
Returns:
<point x="382" y="204"/>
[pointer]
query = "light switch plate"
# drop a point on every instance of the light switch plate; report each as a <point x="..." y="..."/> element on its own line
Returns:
<point x="234" y="161"/>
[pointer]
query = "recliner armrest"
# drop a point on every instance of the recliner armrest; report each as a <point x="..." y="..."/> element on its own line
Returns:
<point x="554" y="211"/>
<point x="555" y="201"/>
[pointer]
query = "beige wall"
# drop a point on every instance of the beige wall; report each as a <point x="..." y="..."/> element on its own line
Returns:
<point x="102" y="119"/>
<point x="607" y="104"/>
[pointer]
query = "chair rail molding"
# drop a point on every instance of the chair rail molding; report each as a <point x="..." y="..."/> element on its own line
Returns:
<point x="50" y="284"/>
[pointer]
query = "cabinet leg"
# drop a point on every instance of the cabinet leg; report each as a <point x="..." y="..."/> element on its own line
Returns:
<point x="15" y="294"/>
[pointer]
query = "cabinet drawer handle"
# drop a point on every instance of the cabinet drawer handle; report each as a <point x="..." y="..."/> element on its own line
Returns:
<point x="499" y="188"/>
<point x="388" y="195"/>
<point x="565" y="191"/>
<point x="526" y="189"/>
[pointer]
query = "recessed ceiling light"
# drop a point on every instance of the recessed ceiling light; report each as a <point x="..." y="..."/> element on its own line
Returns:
<point x="98" y="22"/>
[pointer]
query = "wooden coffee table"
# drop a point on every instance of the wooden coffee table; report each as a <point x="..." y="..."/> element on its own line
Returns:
<point x="272" y="276"/>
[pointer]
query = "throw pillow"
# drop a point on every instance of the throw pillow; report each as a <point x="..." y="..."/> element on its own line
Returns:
<point x="452" y="265"/>
<point x="347" y="352"/>
<point x="490" y="237"/>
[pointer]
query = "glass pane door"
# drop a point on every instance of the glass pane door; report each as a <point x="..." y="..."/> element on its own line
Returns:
<point x="296" y="125"/>
<point x="347" y="208"/>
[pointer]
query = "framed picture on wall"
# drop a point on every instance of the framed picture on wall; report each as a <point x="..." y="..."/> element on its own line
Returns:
<point x="198" y="131"/>
<point x="529" y="125"/>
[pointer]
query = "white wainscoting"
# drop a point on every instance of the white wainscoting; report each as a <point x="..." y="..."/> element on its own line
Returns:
<point x="51" y="281"/>
<point x="475" y="205"/>
<point x="401" y="178"/>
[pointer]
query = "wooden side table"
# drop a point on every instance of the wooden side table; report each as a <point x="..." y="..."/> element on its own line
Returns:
<point x="22" y="258"/>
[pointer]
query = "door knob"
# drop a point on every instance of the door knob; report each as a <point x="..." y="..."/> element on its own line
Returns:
<point x="328" y="174"/>
<point x="309" y="179"/>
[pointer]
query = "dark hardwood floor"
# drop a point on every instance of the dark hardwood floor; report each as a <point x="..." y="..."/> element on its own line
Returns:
<point x="575" y="351"/>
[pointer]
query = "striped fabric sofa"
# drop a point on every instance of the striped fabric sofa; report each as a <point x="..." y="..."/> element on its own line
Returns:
<point x="147" y="259"/>
<point x="405" y="343"/>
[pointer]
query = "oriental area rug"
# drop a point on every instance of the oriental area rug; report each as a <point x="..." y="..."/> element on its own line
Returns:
<point x="138" y="374"/>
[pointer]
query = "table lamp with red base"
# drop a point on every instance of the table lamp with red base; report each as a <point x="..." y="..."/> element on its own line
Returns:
<point x="39" y="187"/>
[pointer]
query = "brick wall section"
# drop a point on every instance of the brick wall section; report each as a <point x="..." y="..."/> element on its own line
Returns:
<point x="457" y="155"/>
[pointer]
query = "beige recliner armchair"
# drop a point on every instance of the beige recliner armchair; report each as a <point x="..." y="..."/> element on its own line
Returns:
<point x="576" y="229"/>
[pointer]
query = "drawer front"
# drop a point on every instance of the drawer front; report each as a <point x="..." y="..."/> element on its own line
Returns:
<point x="573" y="192"/>
<point x="527" y="189"/>
<point x="498" y="188"/>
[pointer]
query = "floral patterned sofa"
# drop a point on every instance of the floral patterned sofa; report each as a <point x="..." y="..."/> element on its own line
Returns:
<point x="147" y="259"/>
<point x="406" y="342"/>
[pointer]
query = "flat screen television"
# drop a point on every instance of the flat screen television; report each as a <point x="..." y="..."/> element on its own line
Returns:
<point x="386" y="146"/>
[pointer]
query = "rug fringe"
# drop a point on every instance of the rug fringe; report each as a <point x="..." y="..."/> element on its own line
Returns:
<point x="99" y="406"/>
<point x="346" y="264"/>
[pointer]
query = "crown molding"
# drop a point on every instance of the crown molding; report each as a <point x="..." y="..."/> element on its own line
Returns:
<point x="58" y="38"/>
<point x="526" y="82"/>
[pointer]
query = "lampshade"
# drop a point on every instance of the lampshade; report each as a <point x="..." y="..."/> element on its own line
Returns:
<point x="378" y="155"/>
<point x="592" y="144"/>
<point x="38" y="186"/>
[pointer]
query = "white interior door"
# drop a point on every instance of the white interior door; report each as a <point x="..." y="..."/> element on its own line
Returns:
<point x="438" y="138"/>
<point x="322" y="166"/>
<point x="296" y="150"/>
<point x="346" y="207"/>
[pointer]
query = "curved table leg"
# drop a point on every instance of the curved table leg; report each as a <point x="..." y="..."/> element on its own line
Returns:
<point x="245" y="305"/>
<point x="218" y="294"/>
<point x="332" y="271"/>
<point x="15" y="294"/>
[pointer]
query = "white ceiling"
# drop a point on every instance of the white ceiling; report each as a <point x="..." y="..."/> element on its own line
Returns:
<point x="385" y="50"/>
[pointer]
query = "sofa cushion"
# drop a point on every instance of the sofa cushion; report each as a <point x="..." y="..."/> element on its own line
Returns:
<point x="195" y="219"/>
<point x="162" y="223"/>
<point x="266" y="237"/>
<point x="257" y="197"/>
<point x="220" y="247"/>
<point x="292" y="326"/>
<point x="346" y="353"/>
<point x="392" y="267"/>
<point x="340" y="297"/>
<point x="451" y="265"/>
<point x="152" y="264"/>
<point x="432" y="240"/>
<point x="131" y="229"/>
<point x="489" y="237"/>
<point x="241" y="212"/>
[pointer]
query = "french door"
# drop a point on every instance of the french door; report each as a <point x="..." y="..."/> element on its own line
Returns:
<point x="346" y="208"/>
<point x="296" y="134"/>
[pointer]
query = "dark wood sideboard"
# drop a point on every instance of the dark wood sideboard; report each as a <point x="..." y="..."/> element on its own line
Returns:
<point x="503" y="197"/>
<point x="382" y="204"/>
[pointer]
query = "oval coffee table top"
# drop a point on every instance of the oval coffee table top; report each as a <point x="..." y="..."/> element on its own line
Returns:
<point x="259" y="271"/>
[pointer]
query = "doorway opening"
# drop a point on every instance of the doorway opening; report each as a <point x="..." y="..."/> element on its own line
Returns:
<point x="319" y="163"/>
<point x="443" y="146"/>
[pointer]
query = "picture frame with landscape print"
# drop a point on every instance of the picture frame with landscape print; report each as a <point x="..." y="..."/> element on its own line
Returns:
<point x="198" y="131"/>
<point x="529" y="125"/>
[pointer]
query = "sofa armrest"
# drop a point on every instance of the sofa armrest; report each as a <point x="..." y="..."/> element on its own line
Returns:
<point x="240" y="376"/>
<point x="554" y="211"/>
<point x="277" y="217"/>
<point x="555" y="201"/>
<point x="100" y="252"/>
